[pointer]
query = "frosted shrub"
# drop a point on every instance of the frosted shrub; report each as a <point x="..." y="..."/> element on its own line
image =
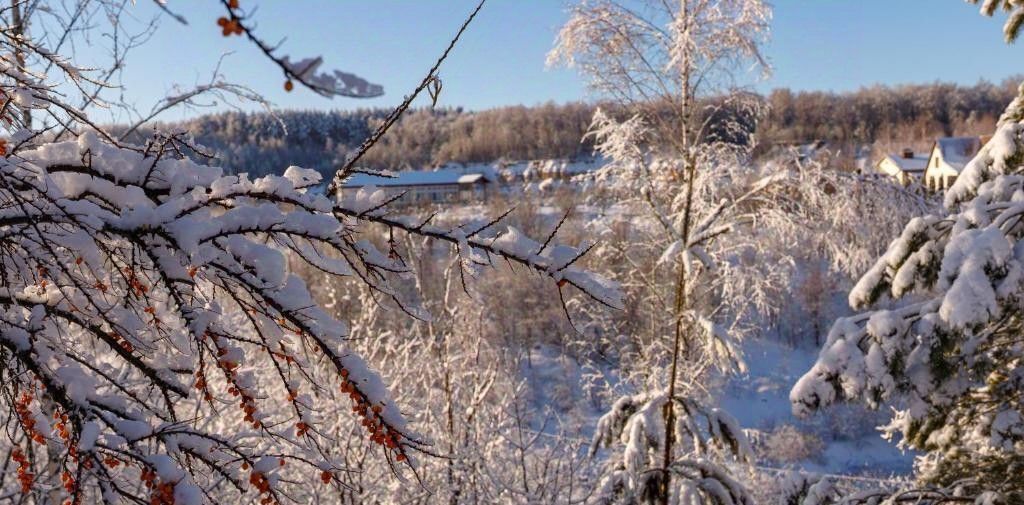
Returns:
<point x="787" y="444"/>
<point x="155" y="345"/>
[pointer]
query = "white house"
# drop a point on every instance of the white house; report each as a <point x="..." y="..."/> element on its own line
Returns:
<point x="422" y="186"/>
<point x="905" y="167"/>
<point x="948" y="158"/>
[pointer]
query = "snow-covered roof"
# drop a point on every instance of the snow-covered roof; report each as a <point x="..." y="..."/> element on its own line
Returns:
<point x="553" y="167"/>
<point x="958" y="151"/>
<point x="916" y="163"/>
<point x="439" y="177"/>
<point x="471" y="178"/>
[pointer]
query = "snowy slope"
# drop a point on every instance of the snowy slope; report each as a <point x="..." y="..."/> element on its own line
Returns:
<point x="760" y="401"/>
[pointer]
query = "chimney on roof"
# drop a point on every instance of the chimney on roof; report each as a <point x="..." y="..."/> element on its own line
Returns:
<point x="908" y="153"/>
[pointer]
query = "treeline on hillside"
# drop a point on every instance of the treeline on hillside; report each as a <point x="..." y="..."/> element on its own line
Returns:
<point x="886" y="117"/>
<point x="884" y="114"/>
<point x="261" y="143"/>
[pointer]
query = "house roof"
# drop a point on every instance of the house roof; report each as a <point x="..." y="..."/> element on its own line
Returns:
<point x="958" y="151"/>
<point x="439" y="177"/>
<point x="915" y="164"/>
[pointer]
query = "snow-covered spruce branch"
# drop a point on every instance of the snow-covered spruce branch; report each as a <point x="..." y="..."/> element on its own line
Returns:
<point x="952" y="353"/>
<point x="1015" y="15"/>
<point x="804" y="489"/>
<point x="151" y="332"/>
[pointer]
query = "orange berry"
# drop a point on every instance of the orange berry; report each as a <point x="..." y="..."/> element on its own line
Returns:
<point x="288" y="85"/>
<point x="222" y="21"/>
<point x="233" y="4"/>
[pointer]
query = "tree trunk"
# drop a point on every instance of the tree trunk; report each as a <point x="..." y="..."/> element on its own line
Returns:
<point x="18" y="29"/>
<point x="681" y="302"/>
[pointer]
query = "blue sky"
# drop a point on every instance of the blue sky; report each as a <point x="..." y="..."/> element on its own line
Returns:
<point x="817" y="44"/>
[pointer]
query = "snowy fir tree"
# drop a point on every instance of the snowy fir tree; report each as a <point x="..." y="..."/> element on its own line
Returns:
<point x="949" y="359"/>
<point x="673" y="53"/>
<point x="943" y="344"/>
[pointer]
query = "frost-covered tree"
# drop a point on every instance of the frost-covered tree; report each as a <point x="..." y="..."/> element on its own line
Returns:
<point x="949" y="357"/>
<point x="155" y="344"/>
<point x="502" y="433"/>
<point x="645" y="55"/>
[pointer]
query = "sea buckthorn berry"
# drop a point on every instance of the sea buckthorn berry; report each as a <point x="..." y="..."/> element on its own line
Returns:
<point x="289" y="85"/>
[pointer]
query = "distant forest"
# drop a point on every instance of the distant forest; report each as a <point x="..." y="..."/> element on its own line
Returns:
<point x="882" y="117"/>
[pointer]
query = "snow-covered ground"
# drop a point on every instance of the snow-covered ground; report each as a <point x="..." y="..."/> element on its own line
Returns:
<point x="849" y="444"/>
<point x="760" y="401"/>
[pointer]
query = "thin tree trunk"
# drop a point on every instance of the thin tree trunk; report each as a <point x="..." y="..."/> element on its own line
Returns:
<point x="18" y="29"/>
<point x="689" y="170"/>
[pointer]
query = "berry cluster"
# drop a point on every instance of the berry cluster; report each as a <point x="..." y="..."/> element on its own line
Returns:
<point x="28" y="421"/>
<point x="200" y="385"/>
<point x="230" y="26"/>
<point x="124" y="343"/>
<point x="25" y="475"/>
<point x="260" y="481"/>
<point x="69" y="483"/>
<point x="111" y="461"/>
<point x="380" y="433"/>
<point x="247" y="401"/>
<point x="161" y="493"/>
<point x="61" y="426"/>
<point x="133" y="280"/>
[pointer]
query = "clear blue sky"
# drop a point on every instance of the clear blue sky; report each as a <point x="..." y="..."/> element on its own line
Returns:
<point x="817" y="44"/>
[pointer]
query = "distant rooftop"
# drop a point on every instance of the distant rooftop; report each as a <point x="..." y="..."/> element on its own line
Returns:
<point x="958" y="151"/>
<point x="441" y="176"/>
<point x="916" y="163"/>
